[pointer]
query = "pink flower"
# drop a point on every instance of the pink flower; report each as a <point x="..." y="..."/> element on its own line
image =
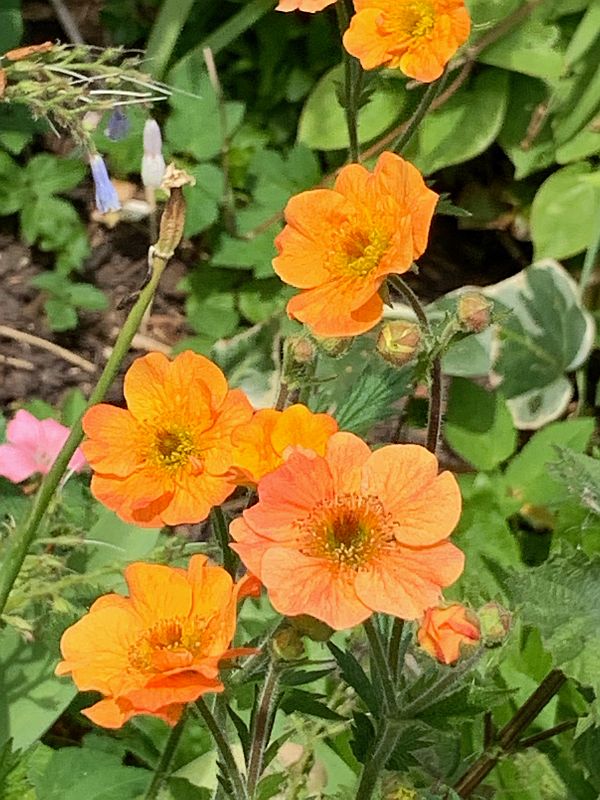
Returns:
<point x="32" y="446"/>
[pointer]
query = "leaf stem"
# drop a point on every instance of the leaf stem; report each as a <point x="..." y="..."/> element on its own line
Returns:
<point x="430" y="94"/>
<point x="381" y="664"/>
<point x="219" y="527"/>
<point x="261" y="728"/>
<point x="377" y="759"/>
<point x="509" y="735"/>
<point x="161" y="773"/>
<point x="238" y="786"/>
<point x="19" y="544"/>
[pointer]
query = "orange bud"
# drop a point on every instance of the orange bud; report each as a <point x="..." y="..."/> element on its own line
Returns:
<point x="474" y="312"/>
<point x="399" y="342"/>
<point x="445" y="630"/>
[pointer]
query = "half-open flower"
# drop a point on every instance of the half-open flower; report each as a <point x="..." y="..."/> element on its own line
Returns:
<point x="341" y="536"/>
<point x="417" y="36"/>
<point x="340" y="244"/>
<point x="162" y="461"/>
<point x="159" y="648"/>
<point x="445" y="630"/>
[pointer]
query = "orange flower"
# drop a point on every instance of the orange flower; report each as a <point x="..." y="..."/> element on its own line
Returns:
<point x="418" y="36"/>
<point x="163" y="461"/>
<point x="159" y="648"/>
<point x="263" y="444"/>
<point x="303" y="5"/>
<point x="340" y="244"/>
<point x="444" y="630"/>
<point x="341" y="536"/>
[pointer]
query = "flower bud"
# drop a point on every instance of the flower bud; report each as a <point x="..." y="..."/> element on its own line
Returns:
<point x="107" y="198"/>
<point x="153" y="163"/>
<point x="446" y="630"/>
<point x="495" y="622"/>
<point x="298" y="361"/>
<point x="118" y="125"/>
<point x="334" y="347"/>
<point x="288" y="645"/>
<point x="474" y="312"/>
<point x="399" y="342"/>
<point x="313" y="628"/>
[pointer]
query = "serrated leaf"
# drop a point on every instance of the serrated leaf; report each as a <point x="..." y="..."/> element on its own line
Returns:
<point x="298" y="701"/>
<point x="303" y="676"/>
<point x="580" y="476"/>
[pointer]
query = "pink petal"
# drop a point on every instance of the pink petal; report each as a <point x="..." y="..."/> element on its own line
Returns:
<point x="16" y="463"/>
<point x="24" y="430"/>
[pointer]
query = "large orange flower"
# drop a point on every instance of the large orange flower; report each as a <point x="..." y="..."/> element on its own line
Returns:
<point x="303" y="5"/>
<point x="159" y="648"/>
<point x="446" y="629"/>
<point x="340" y="244"/>
<point x="341" y="536"/>
<point x="163" y="461"/>
<point x="418" y="36"/>
<point x="263" y="444"/>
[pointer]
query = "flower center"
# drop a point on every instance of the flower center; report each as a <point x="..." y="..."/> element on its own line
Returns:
<point x="413" y="19"/>
<point x="174" y="448"/>
<point x="167" y="641"/>
<point x="360" y="252"/>
<point x="349" y="530"/>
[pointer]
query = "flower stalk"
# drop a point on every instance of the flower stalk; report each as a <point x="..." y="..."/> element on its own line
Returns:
<point x="352" y="82"/>
<point x="238" y="787"/>
<point x="18" y="546"/>
<point x="261" y="728"/>
<point x="163" y="768"/>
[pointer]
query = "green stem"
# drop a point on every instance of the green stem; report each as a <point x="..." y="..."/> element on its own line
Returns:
<point x="163" y="768"/>
<point x="163" y="36"/>
<point x="432" y="91"/>
<point x="232" y="772"/>
<point x="508" y="737"/>
<point x="352" y="81"/>
<point x="381" y="664"/>
<point x="395" y="650"/>
<point x="261" y="728"/>
<point x="434" y="420"/>
<point x="377" y="759"/>
<point x="19" y="544"/>
<point x="220" y="529"/>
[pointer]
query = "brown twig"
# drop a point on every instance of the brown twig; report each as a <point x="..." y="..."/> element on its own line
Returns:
<point x="142" y="342"/>
<point x="51" y="347"/>
<point x="18" y="363"/>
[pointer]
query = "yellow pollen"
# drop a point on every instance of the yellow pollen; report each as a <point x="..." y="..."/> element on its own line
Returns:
<point x="174" y="635"/>
<point x="413" y="19"/>
<point x="359" y="252"/>
<point x="349" y="530"/>
<point x="174" y="448"/>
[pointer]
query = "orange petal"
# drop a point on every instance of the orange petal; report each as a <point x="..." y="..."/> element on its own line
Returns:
<point x="194" y="496"/>
<point x="250" y="547"/>
<point x="303" y="5"/>
<point x="216" y="443"/>
<point x="364" y="40"/>
<point x="144" y="387"/>
<point x="298" y="584"/>
<point x="165" y="691"/>
<point x="253" y="454"/>
<point x="190" y="372"/>
<point x="212" y="588"/>
<point x="425" y="506"/>
<point x="158" y="592"/>
<point x="346" y="455"/>
<point x="297" y="425"/>
<point x="110" y="713"/>
<point x="115" y="440"/>
<point x="139" y="498"/>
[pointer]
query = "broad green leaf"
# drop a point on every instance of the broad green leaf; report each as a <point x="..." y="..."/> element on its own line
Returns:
<point x="528" y="776"/>
<point x="463" y="127"/>
<point x="533" y="47"/>
<point x="323" y="120"/>
<point x="580" y="476"/>
<point x="194" y="127"/>
<point x="561" y="598"/>
<point x="564" y="212"/>
<point x="47" y="174"/>
<point x="535" y="408"/>
<point x="260" y="300"/>
<point x="584" y="144"/>
<point x="586" y="34"/>
<point x="31" y="696"/>
<point x="62" y="316"/>
<point x="470" y="357"/>
<point x="527" y="477"/>
<point x="11" y="24"/>
<point x="478" y="425"/>
<point x="204" y="199"/>
<point x="84" y="295"/>
<point x="485" y="13"/>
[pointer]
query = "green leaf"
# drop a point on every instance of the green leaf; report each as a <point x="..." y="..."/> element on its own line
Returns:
<point x="73" y="404"/>
<point x="74" y="772"/>
<point x="564" y="212"/>
<point x="527" y="477"/>
<point x="32" y="697"/>
<point x="47" y="174"/>
<point x="533" y="47"/>
<point x="561" y="598"/>
<point x="463" y="127"/>
<point x="84" y="295"/>
<point x="260" y="300"/>
<point x="580" y="476"/>
<point x="61" y="315"/>
<point x="194" y="127"/>
<point x="204" y="199"/>
<point x="298" y="701"/>
<point x="11" y="24"/>
<point x="584" y="144"/>
<point x="210" y="308"/>
<point x="322" y="123"/>
<point x="479" y="426"/>
<point x="356" y="677"/>
<point x="247" y="360"/>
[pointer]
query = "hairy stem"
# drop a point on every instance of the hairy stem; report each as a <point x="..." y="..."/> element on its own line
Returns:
<point x="163" y="768"/>
<point x="352" y="82"/>
<point x="230" y="767"/>
<point x="377" y="759"/>
<point x="430" y="94"/>
<point x="261" y="728"/>
<point x="19" y="544"/>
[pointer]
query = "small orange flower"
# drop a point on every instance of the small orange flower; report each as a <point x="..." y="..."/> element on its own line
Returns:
<point x="444" y="630"/>
<point x="417" y="36"/>
<point x="341" y="536"/>
<point x="303" y="5"/>
<point x="263" y="444"/>
<point x="340" y="244"/>
<point x="163" y="460"/>
<point x="159" y="648"/>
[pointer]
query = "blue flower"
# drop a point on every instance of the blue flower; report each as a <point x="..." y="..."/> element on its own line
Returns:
<point x="107" y="198"/>
<point x="118" y="125"/>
